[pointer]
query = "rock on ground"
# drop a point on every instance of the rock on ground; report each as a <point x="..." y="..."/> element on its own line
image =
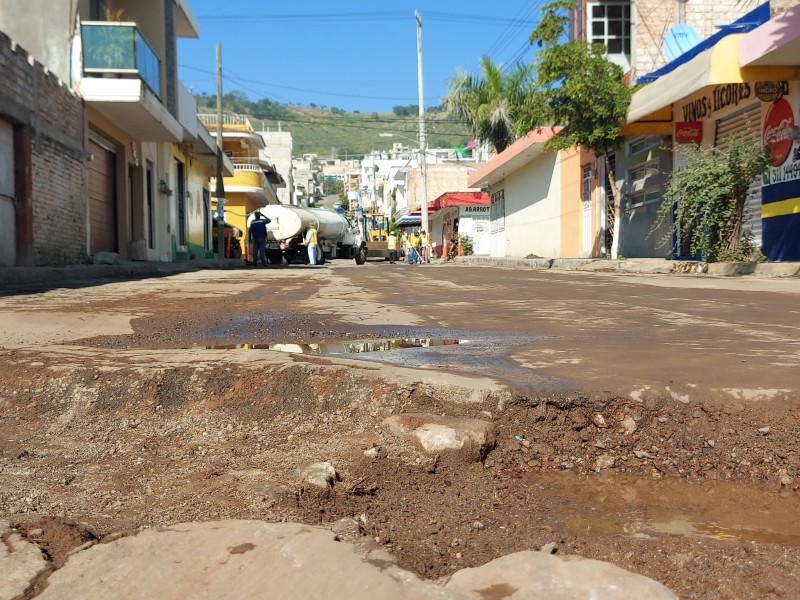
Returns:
<point x="20" y="563"/>
<point x="473" y="438"/>
<point x="521" y="574"/>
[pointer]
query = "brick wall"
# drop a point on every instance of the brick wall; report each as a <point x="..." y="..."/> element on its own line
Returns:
<point x="653" y="18"/>
<point x="50" y="160"/>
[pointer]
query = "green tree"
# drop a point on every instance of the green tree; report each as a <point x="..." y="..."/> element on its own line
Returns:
<point x="708" y="198"/>
<point x="489" y="102"/>
<point x="578" y="89"/>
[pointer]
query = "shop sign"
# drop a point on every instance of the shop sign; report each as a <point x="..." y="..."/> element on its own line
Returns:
<point x="775" y="135"/>
<point x="771" y="91"/>
<point x="721" y="96"/>
<point x="475" y="209"/>
<point x="689" y="132"/>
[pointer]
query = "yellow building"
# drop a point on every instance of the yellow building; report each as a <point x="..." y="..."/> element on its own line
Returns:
<point x="252" y="185"/>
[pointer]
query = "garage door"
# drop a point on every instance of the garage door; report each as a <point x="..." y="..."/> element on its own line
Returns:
<point x="747" y="123"/>
<point x="102" y="198"/>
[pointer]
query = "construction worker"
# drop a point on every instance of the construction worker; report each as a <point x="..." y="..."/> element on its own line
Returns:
<point x="391" y="245"/>
<point x="413" y="248"/>
<point x="257" y="237"/>
<point x="310" y="240"/>
<point x="424" y="247"/>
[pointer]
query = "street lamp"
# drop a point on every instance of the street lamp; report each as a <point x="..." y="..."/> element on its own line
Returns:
<point x="423" y="163"/>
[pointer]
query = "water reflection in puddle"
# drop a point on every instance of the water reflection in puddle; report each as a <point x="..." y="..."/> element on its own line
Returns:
<point x="644" y="508"/>
<point x="355" y="347"/>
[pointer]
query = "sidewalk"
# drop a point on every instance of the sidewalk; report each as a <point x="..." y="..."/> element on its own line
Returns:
<point x="19" y="277"/>
<point x="640" y="265"/>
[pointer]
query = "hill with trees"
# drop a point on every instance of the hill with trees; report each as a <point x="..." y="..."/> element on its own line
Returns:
<point x="333" y="132"/>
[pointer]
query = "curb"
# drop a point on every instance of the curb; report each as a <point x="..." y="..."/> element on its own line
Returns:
<point x="652" y="266"/>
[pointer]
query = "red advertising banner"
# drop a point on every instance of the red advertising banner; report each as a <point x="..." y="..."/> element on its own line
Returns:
<point x="777" y="123"/>
<point x="688" y="132"/>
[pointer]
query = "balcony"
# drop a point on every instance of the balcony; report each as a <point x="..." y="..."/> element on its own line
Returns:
<point x="122" y="80"/>
<point x="249" y="179"/>
<point x="118" y="49"/>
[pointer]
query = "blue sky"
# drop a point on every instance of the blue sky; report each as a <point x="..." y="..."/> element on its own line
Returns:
<point x="353" y="55"/>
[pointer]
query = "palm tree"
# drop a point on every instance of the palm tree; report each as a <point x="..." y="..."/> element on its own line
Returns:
<point x="489" y="101"/>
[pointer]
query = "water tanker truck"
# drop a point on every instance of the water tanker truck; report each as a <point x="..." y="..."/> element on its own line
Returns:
<point x="336" y="236"/>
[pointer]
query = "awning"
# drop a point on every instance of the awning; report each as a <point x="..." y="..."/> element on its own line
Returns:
<point x="651" y="107"/>
<point x="776" y="42"/>
<point x="460" y="199"/>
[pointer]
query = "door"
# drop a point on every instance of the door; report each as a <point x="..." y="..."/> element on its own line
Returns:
<point x="8" y="237"/>
<point x="102" y="197"/>
<point x="180" y="193"/>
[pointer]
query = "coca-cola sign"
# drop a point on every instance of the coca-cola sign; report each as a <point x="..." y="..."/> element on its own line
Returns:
<point x="780" y="117"/>
<point x="689" y="132"/>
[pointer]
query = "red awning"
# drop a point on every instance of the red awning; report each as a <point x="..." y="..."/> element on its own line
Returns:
<point x="460" y="199"/>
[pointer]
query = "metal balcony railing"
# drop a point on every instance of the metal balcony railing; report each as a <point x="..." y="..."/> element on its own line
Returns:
<point x="227" y="119"/>
<point x="119" y="49"/>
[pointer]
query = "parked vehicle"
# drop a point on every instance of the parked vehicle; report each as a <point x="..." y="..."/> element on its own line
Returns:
<point x="337" y="237"/>
<point x="375" y="227"/>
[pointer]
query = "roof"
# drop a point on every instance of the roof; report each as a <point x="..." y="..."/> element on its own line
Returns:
<point x="518" y="154"/>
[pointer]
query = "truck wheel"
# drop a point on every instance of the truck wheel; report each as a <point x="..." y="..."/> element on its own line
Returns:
<point x="361" y="255"/>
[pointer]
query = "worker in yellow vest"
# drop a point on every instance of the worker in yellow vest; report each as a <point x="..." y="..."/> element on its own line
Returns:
<point x="310" y="241"/>
<point x="391" y="245"/>
<point x="413" y="245"/>
<point x="425" y="247"/>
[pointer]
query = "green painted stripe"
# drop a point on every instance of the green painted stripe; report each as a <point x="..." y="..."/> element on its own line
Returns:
<point x="780" y="209"/>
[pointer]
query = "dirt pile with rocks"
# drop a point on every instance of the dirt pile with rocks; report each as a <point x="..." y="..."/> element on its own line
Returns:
<point x="90" y="452"/>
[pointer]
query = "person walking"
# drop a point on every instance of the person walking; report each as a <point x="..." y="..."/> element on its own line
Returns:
<point x="391" y="245"/>
<point x="257" y="238"/>
<point x="310" y="240"/>
<point x="425" y="247"/>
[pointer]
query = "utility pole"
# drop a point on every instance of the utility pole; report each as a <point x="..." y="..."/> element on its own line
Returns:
<point x="220" y="215"/>
<point x="423" y="165"/>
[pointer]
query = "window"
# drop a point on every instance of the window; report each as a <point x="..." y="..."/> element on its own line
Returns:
<point x="586" y="191"/>
<point x="641" y="172"/>
<point x="641" y="144"/>
<point x="498" y="211"/>
<point x="610" y="24"/>
<point x="641" y="198"/>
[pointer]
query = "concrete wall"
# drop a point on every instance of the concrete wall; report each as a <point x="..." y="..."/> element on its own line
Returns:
<point x="442" y="178"/>
<point x="533" y="206"/>
<point x="47" y="39"/>
<point x="278" y="151"/>
<point x="49" y="179"/>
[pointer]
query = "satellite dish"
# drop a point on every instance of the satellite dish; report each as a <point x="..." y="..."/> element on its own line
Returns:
<point x="680" y="38"/>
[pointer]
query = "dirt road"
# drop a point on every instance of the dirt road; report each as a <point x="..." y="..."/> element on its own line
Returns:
<point x="650" y="421"/>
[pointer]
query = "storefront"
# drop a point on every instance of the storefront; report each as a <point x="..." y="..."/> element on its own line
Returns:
<point x="710" y="98"/>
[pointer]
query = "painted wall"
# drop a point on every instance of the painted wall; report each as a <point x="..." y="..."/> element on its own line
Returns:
<point x="48" y="40"/>
<point x="780" y="194"/>
<point x="532" y="209"/>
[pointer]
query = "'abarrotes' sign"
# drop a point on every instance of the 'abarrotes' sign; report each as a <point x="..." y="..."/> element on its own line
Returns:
<point x="475" y="209"/>
<point x="722" y="96"/>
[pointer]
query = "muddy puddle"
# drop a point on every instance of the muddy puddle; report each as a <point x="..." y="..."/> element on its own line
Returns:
<point x="452" y="350"/>
<point x="595" y="505"/>
<point x="349" y="347"/>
